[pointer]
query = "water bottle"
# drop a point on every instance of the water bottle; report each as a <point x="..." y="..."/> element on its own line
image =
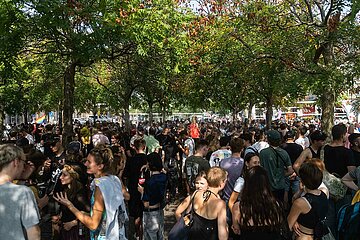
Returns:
<point x="81" y="229"/>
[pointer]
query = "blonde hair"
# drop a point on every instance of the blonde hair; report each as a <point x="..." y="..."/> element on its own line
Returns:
<point x="9" y="153"/>
<point x="71" y="171"/>
<point x="215" y="176"/>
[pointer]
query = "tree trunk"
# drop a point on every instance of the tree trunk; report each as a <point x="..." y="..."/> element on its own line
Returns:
<point x="269" y="112"/>
<point x="151" y="117"/>
<point x="60" y="114"/>
<point x="327" y="101"/>
<point x="163" y="113"/>
<point x="127" y="116"/>
<point x="2" y="122"/>
<point x="68" y="106"/>
<point x="234" y="114"/>
<point x="251" y="105"/>
<point x="328" y="95"/>
<point x="25" y="113"/>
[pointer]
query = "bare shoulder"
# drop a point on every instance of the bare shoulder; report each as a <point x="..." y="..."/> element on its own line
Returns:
<point x="302" y="204"/>
<point x="218" y="204"/>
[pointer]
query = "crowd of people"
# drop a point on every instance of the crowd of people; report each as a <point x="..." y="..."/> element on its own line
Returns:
<point x="239" y="180"/>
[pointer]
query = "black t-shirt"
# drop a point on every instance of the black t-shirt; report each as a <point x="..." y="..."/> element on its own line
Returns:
<point x="170" y="150"/>
<point x="132" y="172"/>
<point x="48" y="139"/>
<point x="163" y="139"/>
<point x="293" y="149"/>
<point x="59" y="159"/>
<point x="356" y="158"/>
<point x="337" y="159"/>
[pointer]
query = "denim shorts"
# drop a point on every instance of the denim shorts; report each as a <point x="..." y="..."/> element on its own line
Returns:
<point x="153" y="224"/>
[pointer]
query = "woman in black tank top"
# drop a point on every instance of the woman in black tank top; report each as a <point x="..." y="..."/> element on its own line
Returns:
<point x="307" y="211"/>
<point x="208" y="210"/>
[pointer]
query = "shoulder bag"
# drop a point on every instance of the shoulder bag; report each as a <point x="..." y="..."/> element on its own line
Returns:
<point x="180" y="231"/>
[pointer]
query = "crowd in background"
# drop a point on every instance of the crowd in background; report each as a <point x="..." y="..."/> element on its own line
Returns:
<point x="240" y="180"/>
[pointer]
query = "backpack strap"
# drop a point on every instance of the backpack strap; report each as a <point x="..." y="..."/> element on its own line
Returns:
<point x="322" y="152"/>
<point x="277" y="157"/>
<point x="253" y="149"/>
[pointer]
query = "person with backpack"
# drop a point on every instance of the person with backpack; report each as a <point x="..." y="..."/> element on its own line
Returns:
<point x="186" y="146"/>
<point x="259" y="145"/>
<point x="170" y="157"/>
<point x="277" y="163"/>
<point x="248" y="139"/>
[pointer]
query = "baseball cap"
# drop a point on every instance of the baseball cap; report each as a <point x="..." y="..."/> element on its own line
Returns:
<point x="73" y="147"/>
<point x="273" y="135"/>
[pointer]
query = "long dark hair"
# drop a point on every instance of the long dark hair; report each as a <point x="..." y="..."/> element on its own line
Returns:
<point x="247" y="159"/>
<point x="258" y="203"/>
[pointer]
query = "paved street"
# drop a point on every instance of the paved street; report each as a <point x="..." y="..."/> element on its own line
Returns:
<point x="170" y="216"/>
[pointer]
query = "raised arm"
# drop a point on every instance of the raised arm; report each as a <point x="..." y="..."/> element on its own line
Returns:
<point x="299" y="161"/>
<point x="91" y="222"/>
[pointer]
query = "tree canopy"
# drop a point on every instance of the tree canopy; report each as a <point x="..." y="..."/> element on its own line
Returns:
<point x="217" y="55"/>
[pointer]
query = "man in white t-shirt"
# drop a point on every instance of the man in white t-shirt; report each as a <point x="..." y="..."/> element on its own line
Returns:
<point x="302" y="140"/>
<point x="19" y="214"/>
<point x="259" y="145"/>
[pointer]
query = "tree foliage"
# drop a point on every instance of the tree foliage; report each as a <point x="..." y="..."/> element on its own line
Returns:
<point x="214" y="55"/>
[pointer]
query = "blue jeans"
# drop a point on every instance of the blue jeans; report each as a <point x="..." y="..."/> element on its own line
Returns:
<point x="153" y="224"/>
<point x="294" y="185"/>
